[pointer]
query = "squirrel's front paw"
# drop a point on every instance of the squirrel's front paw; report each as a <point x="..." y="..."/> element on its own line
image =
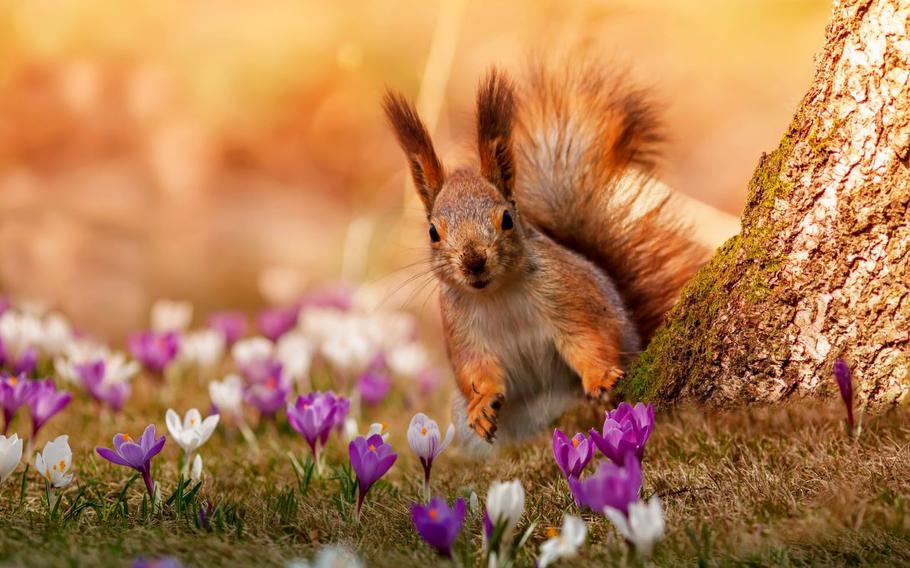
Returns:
<point x="600" y="388"/>
<point x="482" y="414"/>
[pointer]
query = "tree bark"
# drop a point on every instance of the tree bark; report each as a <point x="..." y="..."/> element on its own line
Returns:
<point x="821" y="267"/>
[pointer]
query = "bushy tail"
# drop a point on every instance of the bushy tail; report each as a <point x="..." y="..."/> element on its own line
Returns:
<point x="585" y="148"/>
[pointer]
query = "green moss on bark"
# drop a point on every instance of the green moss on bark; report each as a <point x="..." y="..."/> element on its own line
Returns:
<point x="684" y="349"/>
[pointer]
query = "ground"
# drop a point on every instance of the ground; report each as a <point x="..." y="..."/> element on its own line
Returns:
<point x="760" y="486"/>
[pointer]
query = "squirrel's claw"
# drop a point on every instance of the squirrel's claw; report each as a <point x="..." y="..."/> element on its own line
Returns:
<point x="482" y="415"/>
<point x="600" y="389"/>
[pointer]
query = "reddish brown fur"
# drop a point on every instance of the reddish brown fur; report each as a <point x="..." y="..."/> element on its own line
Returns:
<point x="414" y="139"/>
<point x="495" y="111"/>
<point x="611" y="129"/>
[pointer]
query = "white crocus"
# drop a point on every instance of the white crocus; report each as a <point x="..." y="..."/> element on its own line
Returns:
<point x="252" y="349"/>
<point x="192" y="433"/>
<point x="119" y="369"/>
<point x="380" y="428"/>
<point x="170" y="315"/>
<point x="506" y="504"/>
<point x="10" y="455"/>
<point x="644" y="525"/>
<point x="54" y="464"/>
<point x="349" y="352"/>
<point x="565" y="543"/>
<point x="331" y="556"/>
<point x="56" y="335"/>
<point x="19" y="332"/>
<point x="227" y="395"/>
<point x="196" y="470"/>
<point x="425" y="439"/>
<point x="295" y="352"/>
<point x="407" y="360"/>
<point x="319" y="324"/>
<point x="426" y="442"/>
<point x="203" y="349"/>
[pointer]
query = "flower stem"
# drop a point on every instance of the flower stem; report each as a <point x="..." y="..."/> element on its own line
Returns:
<point x="185" y="470"/>
<point x="51" y="499"/>
<point x="426" y="482"/>
<point x="319" y="458"/>
<point x="149" y="484"/>
<point x="361" y="497"/>
<point x="248" y="436"/>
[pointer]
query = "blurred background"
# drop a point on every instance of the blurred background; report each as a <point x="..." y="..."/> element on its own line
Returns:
<point x="224" y="151"/>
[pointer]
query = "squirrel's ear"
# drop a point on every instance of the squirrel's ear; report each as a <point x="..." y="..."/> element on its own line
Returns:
<point x="495" y="114"/>
<point x="415" y="141"/>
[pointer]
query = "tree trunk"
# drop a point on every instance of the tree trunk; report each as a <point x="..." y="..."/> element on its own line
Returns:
<point x="821" y="268"/>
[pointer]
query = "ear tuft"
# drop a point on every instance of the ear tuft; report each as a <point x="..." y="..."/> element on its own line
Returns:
<point x="495" y="117"/>
<point x="412" y="135"/>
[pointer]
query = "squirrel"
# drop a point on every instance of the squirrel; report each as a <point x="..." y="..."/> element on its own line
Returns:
<point x="557" y="255"/>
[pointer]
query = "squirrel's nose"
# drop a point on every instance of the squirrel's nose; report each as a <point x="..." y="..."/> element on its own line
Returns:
<point x="474" y="262"/>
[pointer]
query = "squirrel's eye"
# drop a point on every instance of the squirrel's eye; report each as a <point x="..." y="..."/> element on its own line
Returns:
<point x="434" y="234"/>
<point x="506" y="220"/>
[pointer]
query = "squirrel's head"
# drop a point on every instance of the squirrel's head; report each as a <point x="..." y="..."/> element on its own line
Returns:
<point x="474" y="229"/>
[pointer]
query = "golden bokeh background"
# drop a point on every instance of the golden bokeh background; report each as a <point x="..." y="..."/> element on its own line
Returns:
<point x="179" y="148"/>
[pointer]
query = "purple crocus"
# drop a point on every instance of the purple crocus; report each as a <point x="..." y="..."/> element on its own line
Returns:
<point x="92" y="374"/>
<point x="269" y="395"/>
<point x="371" y="458"/>
<point x="14" y="393"/>
<point x="44" y="402"/>
<point x="572" y="454"/>
<point x="233" y="325"/>
<point x="313" y="417"/>
<point x="611" y="485"/>
<point x="155" y="350"/>
<point x="626" y="430"/>
<point x="374" y="385"/>
<point x="342" y="407"/>
<point x="257" y="371"/>
<point x="438" y="524"/>
<point x="844" y="379"/>
<point x="138" y="456"/>
<point x="23" y="363"/>
<point x="275" y="322"/>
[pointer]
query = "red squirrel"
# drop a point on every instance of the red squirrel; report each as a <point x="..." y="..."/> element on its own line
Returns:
<point x="556" y="255"/>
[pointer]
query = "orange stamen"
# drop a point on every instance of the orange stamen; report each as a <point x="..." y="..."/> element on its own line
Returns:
<point x="574" y="442"/>
<point x="372" y="448"/>
<point x="552" y="532"/>
<point x="434" y="514"/>
<point x="423" y="430"/>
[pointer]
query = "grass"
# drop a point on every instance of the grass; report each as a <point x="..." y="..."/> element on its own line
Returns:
<point x="762" y="486"/>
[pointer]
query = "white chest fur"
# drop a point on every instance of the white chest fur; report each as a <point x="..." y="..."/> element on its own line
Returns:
<point x="511" y="326"/>
<point x="539" y="385"/>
